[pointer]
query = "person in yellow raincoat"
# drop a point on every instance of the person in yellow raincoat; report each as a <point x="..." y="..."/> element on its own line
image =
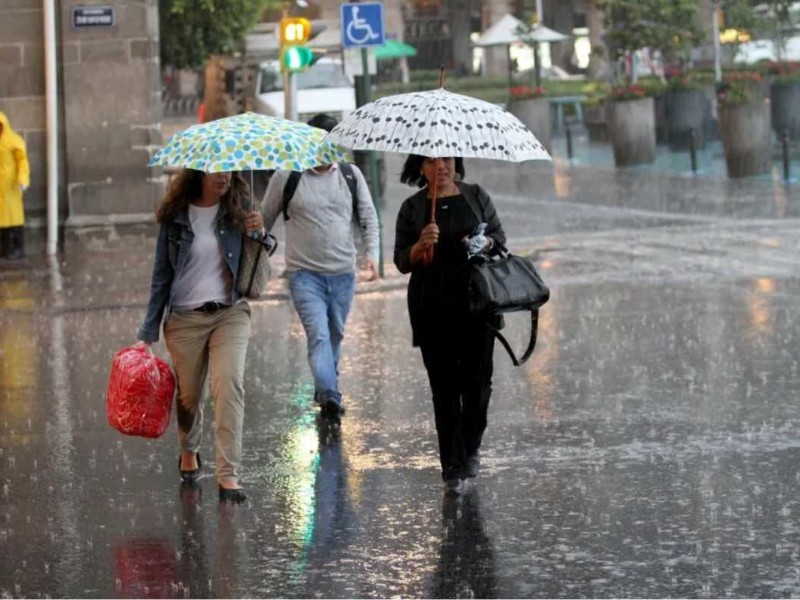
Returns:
<point x="14" y="179"/>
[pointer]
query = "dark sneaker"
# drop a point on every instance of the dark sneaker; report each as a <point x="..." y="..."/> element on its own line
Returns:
<point x="473" y="465"/>
<point x="454" y="487"/>
<point x="332" y="409"/>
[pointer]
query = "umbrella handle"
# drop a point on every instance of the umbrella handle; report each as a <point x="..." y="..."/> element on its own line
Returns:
<point x="427" y="258"/>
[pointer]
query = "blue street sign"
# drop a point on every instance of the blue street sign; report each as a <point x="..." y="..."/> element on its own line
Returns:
<point x="362" y="25"/>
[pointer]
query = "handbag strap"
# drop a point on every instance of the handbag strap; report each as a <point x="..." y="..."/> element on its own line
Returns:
<point x="531" y="342"/>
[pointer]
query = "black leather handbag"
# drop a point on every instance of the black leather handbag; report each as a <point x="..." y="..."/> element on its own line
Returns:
<point x="502" y="283"/>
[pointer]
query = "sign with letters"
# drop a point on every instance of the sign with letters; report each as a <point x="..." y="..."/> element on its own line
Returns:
<point x="93" y="16"/>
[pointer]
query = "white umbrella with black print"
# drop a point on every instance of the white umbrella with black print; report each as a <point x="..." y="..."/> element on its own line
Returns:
<point x="438" y="123"/>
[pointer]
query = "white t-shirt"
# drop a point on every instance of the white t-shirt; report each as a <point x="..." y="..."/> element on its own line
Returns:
<point x="205" y="277"/>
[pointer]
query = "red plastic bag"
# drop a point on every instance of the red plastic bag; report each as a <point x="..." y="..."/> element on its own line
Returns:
<point x="140" y="391"/>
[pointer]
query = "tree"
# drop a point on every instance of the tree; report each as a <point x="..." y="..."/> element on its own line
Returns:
<point x="666" y="25"/>
<point x="777" y="20"/>
<point x="194" y="30"/>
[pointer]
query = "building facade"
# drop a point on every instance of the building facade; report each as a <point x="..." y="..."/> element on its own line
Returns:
<point x="109" y="106"/>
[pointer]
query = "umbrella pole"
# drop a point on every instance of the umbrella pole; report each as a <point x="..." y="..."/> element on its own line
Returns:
<point x="429" y="251"/>
<point x="252" y="189"/>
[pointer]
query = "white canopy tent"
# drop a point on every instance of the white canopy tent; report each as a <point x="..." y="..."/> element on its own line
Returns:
<point x="510" y="30"/>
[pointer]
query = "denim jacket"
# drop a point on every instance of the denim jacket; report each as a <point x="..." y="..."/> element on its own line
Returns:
<point x="172" y="249"/>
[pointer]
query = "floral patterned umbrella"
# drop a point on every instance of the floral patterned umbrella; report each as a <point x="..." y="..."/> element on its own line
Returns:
<point x="438" y="123"/>
<point x="249" y="142"/>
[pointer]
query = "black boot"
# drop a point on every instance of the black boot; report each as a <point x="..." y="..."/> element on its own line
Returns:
<point x="16" y="246"/>
<point x="5" y="238"/>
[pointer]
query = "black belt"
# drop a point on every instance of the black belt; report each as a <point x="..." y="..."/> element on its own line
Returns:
<point x="210" y="307"/>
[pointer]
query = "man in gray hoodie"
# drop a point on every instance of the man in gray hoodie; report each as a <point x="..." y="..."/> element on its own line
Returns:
<point x="320" y="208"/>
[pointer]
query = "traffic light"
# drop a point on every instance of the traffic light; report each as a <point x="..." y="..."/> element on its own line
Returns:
<point x="294" y="33"/>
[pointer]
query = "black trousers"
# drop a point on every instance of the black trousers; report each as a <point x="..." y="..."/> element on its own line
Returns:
<point x="12" y="242"/>
<point x="458" y="357"/>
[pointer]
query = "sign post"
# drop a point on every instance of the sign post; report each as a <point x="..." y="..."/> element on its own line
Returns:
<point x="363" y="27"/>
<point x="717" y="60"/>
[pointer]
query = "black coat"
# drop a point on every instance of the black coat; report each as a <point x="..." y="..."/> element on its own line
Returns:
<point x="412" y="218"/>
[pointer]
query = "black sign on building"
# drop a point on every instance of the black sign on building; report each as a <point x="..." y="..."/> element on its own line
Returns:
<point x="93" y="16"/>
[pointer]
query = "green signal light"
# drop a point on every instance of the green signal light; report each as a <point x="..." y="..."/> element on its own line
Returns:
<point x="297" y="58"/>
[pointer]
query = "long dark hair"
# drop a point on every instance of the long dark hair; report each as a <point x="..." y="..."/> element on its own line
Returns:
<point x="188" y="186"/>
<point x="412" y="170"/>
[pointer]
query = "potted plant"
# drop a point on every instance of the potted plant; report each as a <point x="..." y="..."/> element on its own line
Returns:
<point x="632" y="124"/>
<point x="685" y="112"/>
<point x="785" y="98"/>
<point x="530" y="105"/>
<point x="744" y="122"/>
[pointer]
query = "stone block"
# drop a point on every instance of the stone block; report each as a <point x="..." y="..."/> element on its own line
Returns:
<point x="143" y="49"/>
<point x="17" y="82"/>
<point x="33" y="55"/>
<point x="104" y="51"/>
<point x="22" y="4"/>
<point x="24" y="113"/>
<point x="133" y="196"/>
<point x="70" y="53"/>
<point x="20" y="25"/>
<point x="131" y="20"/>
<point x="10" y="55"/>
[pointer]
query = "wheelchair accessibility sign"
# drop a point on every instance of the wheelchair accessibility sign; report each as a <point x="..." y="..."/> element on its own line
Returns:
<point x="362" y="25"/>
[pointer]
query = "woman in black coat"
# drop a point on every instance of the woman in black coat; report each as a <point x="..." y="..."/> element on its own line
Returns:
<point x="456" y="346"/>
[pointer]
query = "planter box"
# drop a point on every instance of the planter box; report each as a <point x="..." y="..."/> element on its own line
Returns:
<point x="633" y="131"/>
<point x="535" y="115"/>
<point x="785" y="100"/>
<point x="595" y="120"/>
<point x="684" y="111"/>
<point x="747" y="138"/>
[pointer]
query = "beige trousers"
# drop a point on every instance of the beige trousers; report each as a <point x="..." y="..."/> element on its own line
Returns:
<point x="213" y="345"/>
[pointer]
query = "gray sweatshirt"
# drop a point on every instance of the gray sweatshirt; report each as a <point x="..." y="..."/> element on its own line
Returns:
<point x="320" y="229"/>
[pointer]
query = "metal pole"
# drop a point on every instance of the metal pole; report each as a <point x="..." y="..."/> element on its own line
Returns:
<point x="372" y="164"/>
<point x="568" y="126"/>
<point x="539" y="11"/>
<point x="717" y="63"/>
<point x="786" y="164"/>
<point x="51" y="103"/>
<point x="693" y="149"/>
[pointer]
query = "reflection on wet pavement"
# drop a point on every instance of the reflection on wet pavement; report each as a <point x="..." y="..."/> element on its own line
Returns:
<point x="648" y="449"/>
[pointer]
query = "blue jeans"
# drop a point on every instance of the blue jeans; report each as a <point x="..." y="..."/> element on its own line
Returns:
<point x="323" y="302"/>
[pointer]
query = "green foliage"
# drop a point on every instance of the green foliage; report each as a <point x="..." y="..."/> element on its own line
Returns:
<point x="193" y="30"/>
<point x="741" y="88"/>
<point x="644" y="88"/>
<point x="776" y="21"/>
<point x="490" y="89"/>
<point x="669" y="25"/>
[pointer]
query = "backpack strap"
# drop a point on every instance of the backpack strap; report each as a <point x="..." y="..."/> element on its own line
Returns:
<point x="531" y="342"/>
<point x="352" y="185"/>
<point x="289" y="189"/>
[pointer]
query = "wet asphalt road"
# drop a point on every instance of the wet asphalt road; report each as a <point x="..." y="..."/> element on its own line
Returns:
<point x="649" y="448"/>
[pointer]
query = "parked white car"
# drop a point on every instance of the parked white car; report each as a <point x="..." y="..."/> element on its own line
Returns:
<point x="324" y="87"/>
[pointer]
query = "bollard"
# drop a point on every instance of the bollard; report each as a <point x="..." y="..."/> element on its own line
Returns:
<point x="786" y="164"/>
<point x="693" y="149"/>
<point x="568" y="127"/>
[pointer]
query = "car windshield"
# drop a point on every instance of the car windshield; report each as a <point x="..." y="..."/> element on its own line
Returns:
<point x="325" y="75"/>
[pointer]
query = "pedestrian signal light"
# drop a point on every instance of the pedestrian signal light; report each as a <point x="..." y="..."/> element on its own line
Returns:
<point x="294" y="31"/>
<point x="296" y="58"/>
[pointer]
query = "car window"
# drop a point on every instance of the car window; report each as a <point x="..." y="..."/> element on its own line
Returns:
<point x="323" y="75"/>
<point x="271" y="81"/>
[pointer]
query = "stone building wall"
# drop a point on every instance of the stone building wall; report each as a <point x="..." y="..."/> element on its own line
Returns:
<point x="22" y="90"/>
<point x="109" y="108"/>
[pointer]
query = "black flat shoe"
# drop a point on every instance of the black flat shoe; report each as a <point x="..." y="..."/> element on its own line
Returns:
<point x="232" y="495"/>
<point x="193" y="474"/>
